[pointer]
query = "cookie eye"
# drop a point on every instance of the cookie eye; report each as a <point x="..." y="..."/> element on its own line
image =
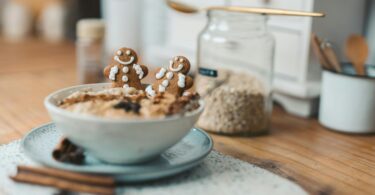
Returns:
<point x="128" y="52"/>
<point x="181" y="60"/>
<point x="119" y="52"/>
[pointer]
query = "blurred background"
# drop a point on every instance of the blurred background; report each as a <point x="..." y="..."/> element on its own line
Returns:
<point x="157" y="33"/>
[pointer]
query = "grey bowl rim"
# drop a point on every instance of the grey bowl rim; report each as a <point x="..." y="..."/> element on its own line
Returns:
<point x="53" y="109"/>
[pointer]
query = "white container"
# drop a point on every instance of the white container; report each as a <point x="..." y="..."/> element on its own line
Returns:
<point x="90" y="50"/>
<point x="17" y="21"/>
<point x="123" y="24"/>
<point x="52" y="22"/>
<point x="118" y="140"/>
<point x="347" y="103"/>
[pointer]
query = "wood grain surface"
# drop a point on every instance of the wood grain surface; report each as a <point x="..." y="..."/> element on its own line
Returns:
<point x="321" y="161"/>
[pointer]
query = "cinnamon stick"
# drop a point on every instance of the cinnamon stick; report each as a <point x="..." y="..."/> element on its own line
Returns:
<point x="67" y="175"/>
<point x="61" y="184"/>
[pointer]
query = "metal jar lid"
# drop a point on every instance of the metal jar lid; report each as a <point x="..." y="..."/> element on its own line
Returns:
<point x="90" y="28"/>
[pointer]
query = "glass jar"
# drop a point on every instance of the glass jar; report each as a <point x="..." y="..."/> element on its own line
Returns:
<point x="90" y="50"/>
<point x="235" y="69"/>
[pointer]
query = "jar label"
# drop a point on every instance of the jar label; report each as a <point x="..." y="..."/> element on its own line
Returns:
<point x="208" y="72"/>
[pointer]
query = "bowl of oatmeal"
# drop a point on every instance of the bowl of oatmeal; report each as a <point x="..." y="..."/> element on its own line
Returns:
<point x="122" y="125"/>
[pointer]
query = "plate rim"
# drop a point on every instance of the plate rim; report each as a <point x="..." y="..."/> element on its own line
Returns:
<point x="76" y="168"/>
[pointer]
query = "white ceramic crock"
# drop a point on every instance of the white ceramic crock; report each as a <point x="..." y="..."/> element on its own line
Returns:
<point x="118" y="140"/>
<point x="347" y="103"/>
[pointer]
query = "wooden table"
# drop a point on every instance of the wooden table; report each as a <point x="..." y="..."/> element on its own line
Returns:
<point x="322" y="161"/>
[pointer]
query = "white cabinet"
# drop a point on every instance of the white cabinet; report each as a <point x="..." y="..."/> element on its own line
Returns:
<point x="288" y="53"/>
<point x="297" y="73"/>
<point x="181" y="33"/>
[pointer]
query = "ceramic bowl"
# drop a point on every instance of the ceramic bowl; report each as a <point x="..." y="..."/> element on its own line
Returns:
<point x="119" y="141"/>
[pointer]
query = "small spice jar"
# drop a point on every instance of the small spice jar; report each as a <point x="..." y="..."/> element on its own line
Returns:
<point x="90" y="50"/>
<point x="235" y="68"/>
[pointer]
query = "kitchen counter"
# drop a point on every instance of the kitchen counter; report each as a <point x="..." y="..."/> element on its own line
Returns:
<point x="320" y="160"/>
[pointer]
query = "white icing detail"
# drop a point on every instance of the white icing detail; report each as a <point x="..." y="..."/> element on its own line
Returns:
<point x="150" y="91"/>
<point x="180" y="67"/>
<point x="181" y="80"/>
<point x="128" y="52"/>
<point x="175" y="58"/>
<point x="122" y="62"/>
<point x="138" y="70"/>
<point x="112" y="73"/>
<point x="169" y="75"/>
<point x="119" y="52"/>
<point x="161" y="73"/>
<point x="125" y="78"/>
<point x="125" y="86"/>
<point x="125" y="69"/>
<point x="161" y="88"/>
<point x="186" y="93"/>
<point x="165" y="83"/>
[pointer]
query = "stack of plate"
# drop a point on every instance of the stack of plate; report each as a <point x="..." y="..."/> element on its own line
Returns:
<point x="189" y="152"/>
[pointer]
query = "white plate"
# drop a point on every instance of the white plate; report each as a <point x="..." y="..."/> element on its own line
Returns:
<point x="190" y="151"/>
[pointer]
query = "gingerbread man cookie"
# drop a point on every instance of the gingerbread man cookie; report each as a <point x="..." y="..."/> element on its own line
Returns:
<point x="124" y="71"/>
<point x="173" y="80"/>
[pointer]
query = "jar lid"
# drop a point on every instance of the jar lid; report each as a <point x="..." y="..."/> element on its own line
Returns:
<point x="90" y="28"/>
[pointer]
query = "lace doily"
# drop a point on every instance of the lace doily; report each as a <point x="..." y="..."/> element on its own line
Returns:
<point x="218" y="174"/>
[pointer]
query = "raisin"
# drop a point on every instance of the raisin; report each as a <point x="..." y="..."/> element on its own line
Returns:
<point x="128" y="106"/>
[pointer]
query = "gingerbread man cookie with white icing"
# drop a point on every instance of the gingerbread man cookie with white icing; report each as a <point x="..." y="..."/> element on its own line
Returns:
<point x="124" y="71"/>
<point x="173" y="80"/>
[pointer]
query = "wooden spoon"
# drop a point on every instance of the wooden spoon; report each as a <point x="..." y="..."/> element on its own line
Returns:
<point x="185" y="8"/>
<point x="331" y="56"/>
<point x="315" y="43"/>
<point x="356" y="51"/>
<point x="182" y="7"/>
